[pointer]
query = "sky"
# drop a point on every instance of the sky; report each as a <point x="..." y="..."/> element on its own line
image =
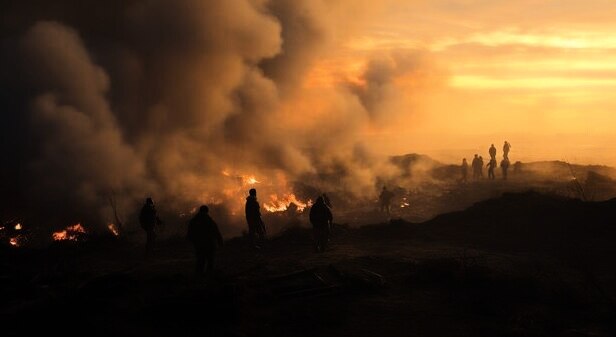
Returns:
<point x="539" y="74"/>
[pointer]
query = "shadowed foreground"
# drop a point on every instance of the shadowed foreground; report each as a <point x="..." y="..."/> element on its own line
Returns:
<point x="519" y="265"/>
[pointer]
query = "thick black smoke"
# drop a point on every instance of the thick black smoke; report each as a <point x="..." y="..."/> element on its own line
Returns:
<point x="159" y="98"/>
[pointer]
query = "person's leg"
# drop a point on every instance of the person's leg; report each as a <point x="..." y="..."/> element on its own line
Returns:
<point x="200" y="260"/>
<point x="315" y="238"/>
<point x="149" y="244"/>
<point x="211" y="255"/>
<point x="325" y="239"/>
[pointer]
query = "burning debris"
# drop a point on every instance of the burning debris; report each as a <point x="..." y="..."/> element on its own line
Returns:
<point x="277" y="204"/>
<point x="113" y="229"/>
<point x="71" y="233"/>
<point x="14" y="242"/>
<point x="13" y="233"/>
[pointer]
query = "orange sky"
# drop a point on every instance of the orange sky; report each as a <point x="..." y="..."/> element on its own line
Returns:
<point x="540" y="74"/>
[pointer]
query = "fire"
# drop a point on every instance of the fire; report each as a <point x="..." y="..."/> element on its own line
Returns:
<point x="18" y="227"/>
<point x="113" y="229"/>
<point x="242" y="179"/>
<point x="71" y="233"/>
<point x="250" y="180"/>
<point x="14" y="242"/>
<point x="404" y="203"/>
<point x="282" y="204"/>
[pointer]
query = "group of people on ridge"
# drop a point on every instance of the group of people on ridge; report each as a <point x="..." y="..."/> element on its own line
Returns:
<point x="205" y="236"/>
<point x="477" y="164"/>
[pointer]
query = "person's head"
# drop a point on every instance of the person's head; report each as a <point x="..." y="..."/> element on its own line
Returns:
<point x="480" y="157"/>
<point x="149" y="201"/>
<point x="204" y="209"/>
<point x="492" y="145"/>
<point x="476" y="155"/>
<point x="384" y="188"/>
<point x="464" y="159"/>
<point x="320" y="200"/>
<point x="252" y="192"/>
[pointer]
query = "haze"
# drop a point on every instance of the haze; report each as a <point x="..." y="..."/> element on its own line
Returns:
<point x="537" y="73"/>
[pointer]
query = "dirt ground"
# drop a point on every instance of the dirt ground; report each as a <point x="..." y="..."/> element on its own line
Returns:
<point x="452" y="276"/>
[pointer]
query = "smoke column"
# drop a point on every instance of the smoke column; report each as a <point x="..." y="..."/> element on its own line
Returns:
<point x="184" y="101"/>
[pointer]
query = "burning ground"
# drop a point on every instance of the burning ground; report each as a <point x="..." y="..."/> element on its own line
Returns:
<point x="423" y="188"/>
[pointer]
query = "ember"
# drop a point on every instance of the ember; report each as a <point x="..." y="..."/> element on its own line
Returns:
<point x="14" y="242"/>
<point x="113" y="229"/>
<point x="71" y="233"/>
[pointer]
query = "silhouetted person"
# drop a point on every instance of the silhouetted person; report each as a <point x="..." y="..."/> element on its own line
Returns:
<point x="492" y="152"/>
<point x="475" y="165"/>
<point x="205" y="237"/>
<point x="148" y="219"/>
<point x="491" y="167"/>
<point x="480" y="166"/>
<point x="505" y="166"/>
<point x="321" y="219"/>
<point x="256" y="227"/>
<point x="385" y="200"/>
<point x="464" y="170"/>
<point x="506" y="149"/>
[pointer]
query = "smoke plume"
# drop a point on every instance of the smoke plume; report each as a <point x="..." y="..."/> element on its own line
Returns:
<point x="185" y="101"/>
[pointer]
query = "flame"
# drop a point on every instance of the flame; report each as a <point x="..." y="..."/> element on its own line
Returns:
<point x="14" y="242"/>
<point x="71" y="233"/>
<point x="243" y="179"/>
<point x="282" y="204"/>
<point x="250" y="180"/>
<point x="18" y="227"/>
<point x="113" y="229"/>
<point x="404" y="203"/>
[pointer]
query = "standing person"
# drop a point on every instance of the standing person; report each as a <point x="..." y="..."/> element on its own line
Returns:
<point x="385" y="200"/>
<point x="505" y="166"/>
<point x="203" y="233"/>
<point x="464" y="169"/>
<point x="321" y="219"/>
<point x="148" y="219"/>
<point x="256" y="227"/>
<point x="492" y="152"/>
<point x="480" y="166"/>
<point x="491" y="167"/>
<point x="506" y="149"/>
<point x="475" y="168"/>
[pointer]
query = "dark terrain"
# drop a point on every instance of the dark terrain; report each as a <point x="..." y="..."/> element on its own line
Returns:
<point x="523" y="264"/>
